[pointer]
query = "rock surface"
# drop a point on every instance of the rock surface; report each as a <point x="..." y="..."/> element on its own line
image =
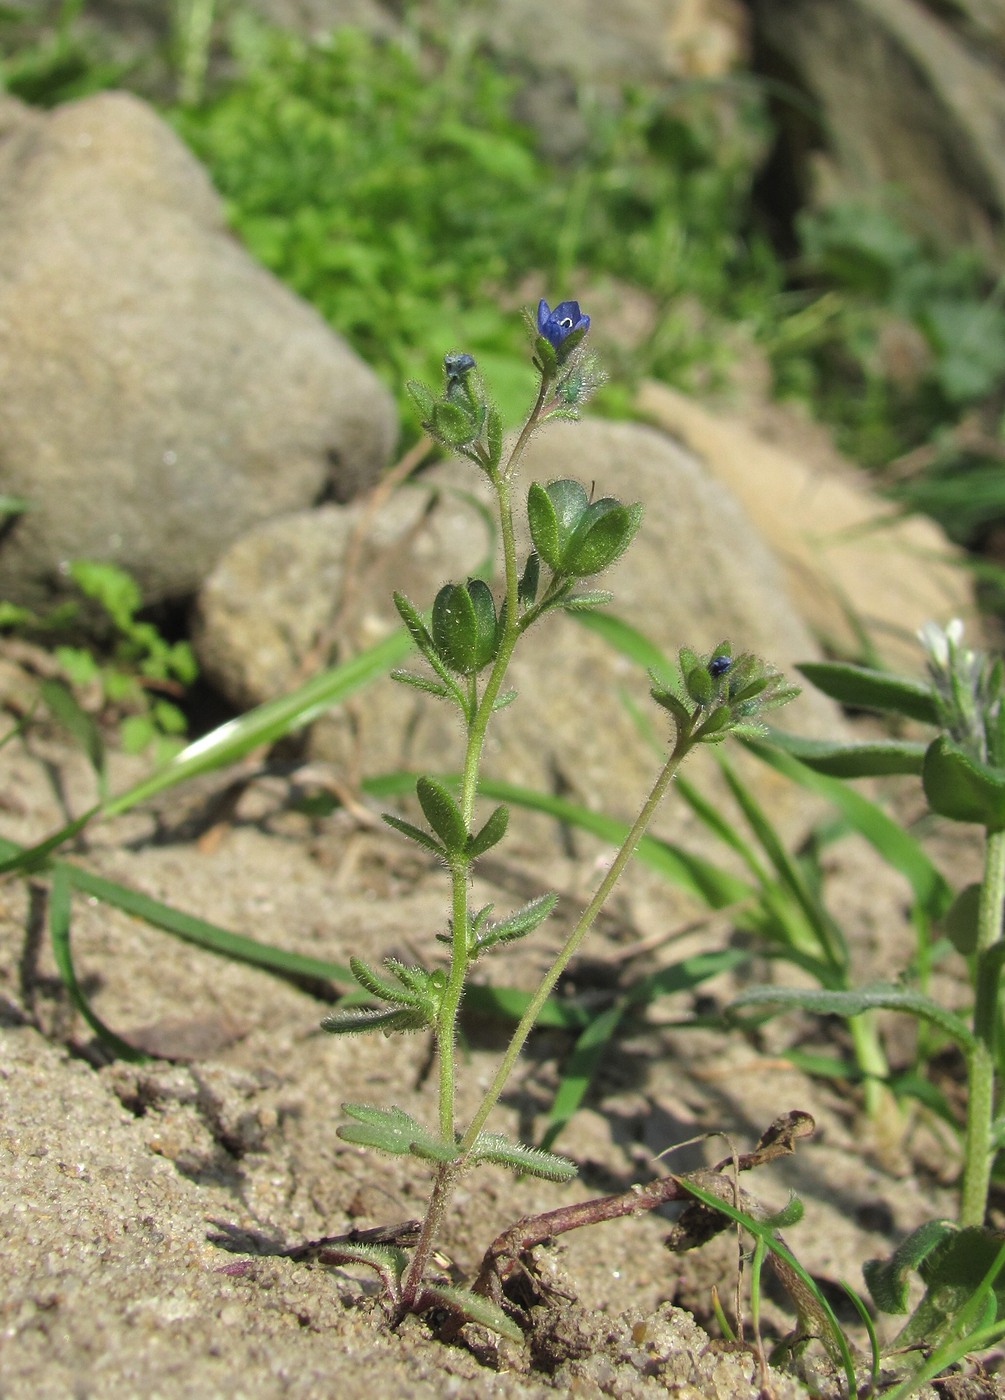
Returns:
<point x="161" y="392"/>
<point x="848" y="561"/>
<point x="899" y="97"/>
<point x="696" y="573"/>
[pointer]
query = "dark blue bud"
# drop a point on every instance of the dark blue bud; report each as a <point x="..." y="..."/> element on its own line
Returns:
<point x="457" y="367"/>
<point x="719" y="665"/>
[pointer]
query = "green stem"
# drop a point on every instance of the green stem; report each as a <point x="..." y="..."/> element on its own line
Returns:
<point x="446" y="1026"/>
<point x="624" y="855"/>
<point x="978" y="1155"/>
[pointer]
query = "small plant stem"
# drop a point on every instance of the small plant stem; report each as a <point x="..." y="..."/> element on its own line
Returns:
<point x="446" y="1025"/>
<point x="624" y="855"/>
<point x="411" y="1284"/>
<point x="978" y="1153"/>
<point x="869" y="1056"/>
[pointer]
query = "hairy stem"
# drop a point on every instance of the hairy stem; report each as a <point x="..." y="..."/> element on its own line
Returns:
<point x="443" y="1186"/>
<point x="624" y="855"/>
<point x="978" y="1156"/>
<point x="446" y="1026"/>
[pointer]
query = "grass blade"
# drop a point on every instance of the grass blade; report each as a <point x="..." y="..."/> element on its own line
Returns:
<point x="59" y="932"/>
<point x="897" y="847"/>
<point x="269" y="722"/>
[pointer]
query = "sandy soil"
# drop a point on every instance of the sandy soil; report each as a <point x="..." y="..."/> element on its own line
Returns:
<point x="145" y="1206"/>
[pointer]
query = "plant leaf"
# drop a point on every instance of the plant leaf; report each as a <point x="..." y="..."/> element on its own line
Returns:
<point x="874" y="996"/>
<point x="392" y="1130"/>
<point x="442" y="813"/>
<point x="961" y="788"/>
<point x="491" y="833"/>
<point x="474" y="1308"/>
<point x="888" y="1279"/>
<point x="872" y="759"/>
<point x="865" y="688"/>
<point x="529" y="1161"/>
<point x="414" y="833"/>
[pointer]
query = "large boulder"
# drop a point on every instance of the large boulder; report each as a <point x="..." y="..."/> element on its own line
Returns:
<point x="894" y="93"/>
<point x="162" y="393"/>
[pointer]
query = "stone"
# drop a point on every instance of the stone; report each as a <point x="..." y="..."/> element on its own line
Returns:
<point x="850" y="563"/>
<point x="697" y="573"/>
<point x="899" y="97"/>
<point x="162" y="393"/>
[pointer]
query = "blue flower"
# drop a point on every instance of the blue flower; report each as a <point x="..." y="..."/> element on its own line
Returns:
<point x="559" y="324"/>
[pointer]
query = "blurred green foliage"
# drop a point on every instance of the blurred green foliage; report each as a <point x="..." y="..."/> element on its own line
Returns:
<point x="390" y="183"/>
<point x="134" y="678"/>
<point x="392" y="187"/>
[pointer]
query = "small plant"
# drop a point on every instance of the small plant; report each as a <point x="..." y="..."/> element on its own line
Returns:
<point x="132" y="680"/>
<point x="962" y="770"/>
<point x="468" y="642"/>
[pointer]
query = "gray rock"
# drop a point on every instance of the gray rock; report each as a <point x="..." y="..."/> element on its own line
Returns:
<point x="697" y="573"/>
<point x="902" y="98"/>
<point x="162" y="393"/>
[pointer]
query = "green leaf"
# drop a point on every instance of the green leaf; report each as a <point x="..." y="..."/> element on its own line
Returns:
<point x="952" y="1272"/>
<point x="423" y="683"/>
<point x="486" y="625"/>
<point x="455" y="628"/>
<point x="603" y="534"/>
<point x="961" y="788"/>
<point x="442" y="813"/>
<point x="389" y="1262"/>
<point x="382" y="987"/>
<point x="494" y="436"/>
<point x="897" y="846"/>
<point x="864" y="688"/>
<point x="528" y="1161"/>
<point x="423" y="400"/>
<point x="491" y="833"/>
<point x="59" y="932"/>
<point x="412" y="619"/>
<point x="880" y="996"/>
<point x="414" y="833"/>
<point x="585" y="602"/>
<point x="453" y="425"/>
<point x="869" y="759"/>
<point x="545" y="358"/>
<point x="543" y="520"/>
<point x="529" y="579"/>
<point x="474" y="1308"/>
<point x="200" y="932"/>
<point x="700" y="686"/>
<point x="517" y="925"/>
<point x="888" y="1280"/>
<point x="357" y="1020"/>
<point x="394" y="1131"/>
<point x="960" y="922"/>
<point x="267" y="723"/>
